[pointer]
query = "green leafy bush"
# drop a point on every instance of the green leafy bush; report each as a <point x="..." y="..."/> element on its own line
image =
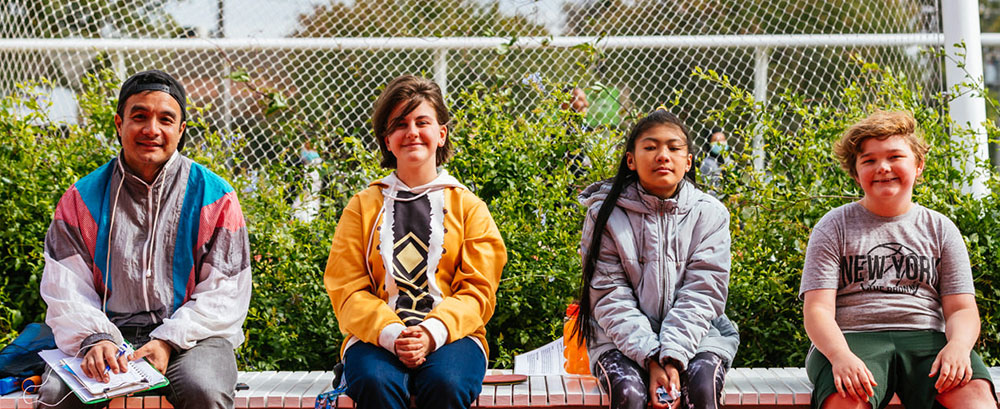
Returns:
<point x="38" y="162"/>
<point x="523" y="165"/>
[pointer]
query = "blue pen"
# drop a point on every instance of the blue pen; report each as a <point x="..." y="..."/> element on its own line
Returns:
<point x="121" y="351"/>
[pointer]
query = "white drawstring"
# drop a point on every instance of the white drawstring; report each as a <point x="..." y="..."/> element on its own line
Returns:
<point x="148" y="272"/>
<point x="111" y="229"/>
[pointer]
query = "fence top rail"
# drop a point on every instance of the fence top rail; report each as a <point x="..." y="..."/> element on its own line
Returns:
<point x="469" y="43"/>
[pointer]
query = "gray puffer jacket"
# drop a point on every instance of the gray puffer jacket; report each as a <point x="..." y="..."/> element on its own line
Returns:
<point x="660" y="283"/>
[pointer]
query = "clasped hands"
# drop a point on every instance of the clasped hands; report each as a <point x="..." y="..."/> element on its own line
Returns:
<point x="666" y="377"/>
<point x="413" y="345"/>
<point x="103" y="357"/>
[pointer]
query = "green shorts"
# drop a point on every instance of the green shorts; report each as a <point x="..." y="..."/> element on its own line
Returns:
<point x="900" y="362"/>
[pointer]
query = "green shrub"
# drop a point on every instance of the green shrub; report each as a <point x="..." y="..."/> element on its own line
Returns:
<point x="522" y="166"/>
<point x="38" y="162"/>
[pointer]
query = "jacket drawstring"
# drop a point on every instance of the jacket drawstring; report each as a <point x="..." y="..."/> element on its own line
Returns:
<point x="111" y="230"/>
<point x="147" y="272"/>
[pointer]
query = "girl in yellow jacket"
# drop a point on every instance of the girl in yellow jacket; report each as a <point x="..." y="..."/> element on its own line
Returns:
<point x="414" y="266"/>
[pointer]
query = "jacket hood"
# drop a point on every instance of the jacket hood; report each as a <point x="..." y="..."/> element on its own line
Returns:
<point x="635" y="198"/>
<point x="391" y="185"/>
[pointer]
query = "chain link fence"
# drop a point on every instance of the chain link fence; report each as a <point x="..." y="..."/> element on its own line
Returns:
<point x="319" y="63"/>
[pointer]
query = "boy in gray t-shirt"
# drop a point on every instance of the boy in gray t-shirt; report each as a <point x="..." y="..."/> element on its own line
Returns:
<point x="889" y="301"/>
<point x="889" y="272"/>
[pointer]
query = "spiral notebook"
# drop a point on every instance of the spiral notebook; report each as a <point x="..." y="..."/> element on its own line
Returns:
<point x="141" y="376"/>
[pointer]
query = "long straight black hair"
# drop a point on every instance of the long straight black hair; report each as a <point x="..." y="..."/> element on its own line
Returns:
<point x="584" y="325"/>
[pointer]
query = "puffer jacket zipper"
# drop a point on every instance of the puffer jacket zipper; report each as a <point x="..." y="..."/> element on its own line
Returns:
<point x="662" y="262"/>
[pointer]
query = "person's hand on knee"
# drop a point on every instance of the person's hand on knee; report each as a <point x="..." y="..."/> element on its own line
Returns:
<point x="413" y="345"/>
<point x="157" y="352"/>
<point x="954" y="366"/>
<point x="100" y="358"/>
<point x="852" y="377"/>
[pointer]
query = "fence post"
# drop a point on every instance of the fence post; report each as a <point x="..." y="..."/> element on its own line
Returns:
<point x="960" y="23"/>
<point x="119" y="64"/>
<point x="226" y="83"/>
<point x="441" y="69"/>
<point x="761" y="56"/>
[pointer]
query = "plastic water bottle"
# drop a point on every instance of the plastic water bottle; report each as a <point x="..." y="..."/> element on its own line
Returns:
<point x="577" y="361"/>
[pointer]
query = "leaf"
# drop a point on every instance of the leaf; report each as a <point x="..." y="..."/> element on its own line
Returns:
<point x="239" y="75"/>
<point x="275" y="102"/>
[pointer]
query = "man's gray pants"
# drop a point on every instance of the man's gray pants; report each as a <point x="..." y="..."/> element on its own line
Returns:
<point x="201" y="377"/>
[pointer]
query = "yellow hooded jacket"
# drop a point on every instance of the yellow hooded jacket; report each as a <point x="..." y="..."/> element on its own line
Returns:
<point x="468" y="273"/>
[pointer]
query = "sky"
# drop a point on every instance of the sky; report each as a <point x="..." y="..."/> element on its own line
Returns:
<point x="277" y="18"/>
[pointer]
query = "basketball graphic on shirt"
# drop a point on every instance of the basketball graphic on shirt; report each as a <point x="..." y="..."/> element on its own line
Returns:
<point x="890" y="249"/>
<point x="887" y="253"/>
<point x="890" y="267"/>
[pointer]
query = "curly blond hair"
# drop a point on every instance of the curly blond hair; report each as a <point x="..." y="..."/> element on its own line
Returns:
<point x="879" y="125"/>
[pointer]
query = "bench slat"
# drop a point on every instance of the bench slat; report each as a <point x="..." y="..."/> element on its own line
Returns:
<point x="782" y="393"/>
<point x="592" y="394"/>
<point x="153" y="401"/>
<point x="522" y="394"/>
<point x="800" y="387"/>
<point x="293" y="396"/>
<point x="10" y="401"/>
<point x="748" y="395"/>
<point x="276" y="397"/>
<point x="538" y="391"/>
<point x="730" y="393"/>
<point x="765" y="394"/>
<point x="574" y="390"/>
<point x="322" y="384"/>
<point x="258" y="396"/>
<point x="487" y="396"/>
<point x="504" y="395"/>
<point x="249" y="379"/>
<point x="138" y="402"/>
<point x="557" y="393"/>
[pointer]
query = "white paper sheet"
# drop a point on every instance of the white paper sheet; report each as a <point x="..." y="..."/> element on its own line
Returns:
<point x="546" y="360"/>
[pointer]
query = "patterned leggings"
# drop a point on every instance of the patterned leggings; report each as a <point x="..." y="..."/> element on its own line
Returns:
<point x="625" y="381"/>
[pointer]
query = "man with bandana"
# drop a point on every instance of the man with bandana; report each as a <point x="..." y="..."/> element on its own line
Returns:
<point x="151" y="248"/>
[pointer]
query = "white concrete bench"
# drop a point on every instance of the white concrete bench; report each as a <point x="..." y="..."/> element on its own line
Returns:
<point x="784" y="388"/>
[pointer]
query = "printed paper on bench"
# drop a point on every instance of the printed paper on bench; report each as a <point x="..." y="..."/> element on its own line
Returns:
<point x="141" y="376"/>
<point x="546" y="360"/>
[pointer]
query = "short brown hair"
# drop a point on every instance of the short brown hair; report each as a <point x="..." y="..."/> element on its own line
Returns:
<point x="879" y="125"/>
<point x="410" y="91"/>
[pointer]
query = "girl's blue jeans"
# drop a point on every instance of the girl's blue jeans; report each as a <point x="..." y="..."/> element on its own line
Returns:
<point x="451" y="377"/>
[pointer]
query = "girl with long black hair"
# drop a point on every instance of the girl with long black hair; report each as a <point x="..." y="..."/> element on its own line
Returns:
<point x="655" y="276"/>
